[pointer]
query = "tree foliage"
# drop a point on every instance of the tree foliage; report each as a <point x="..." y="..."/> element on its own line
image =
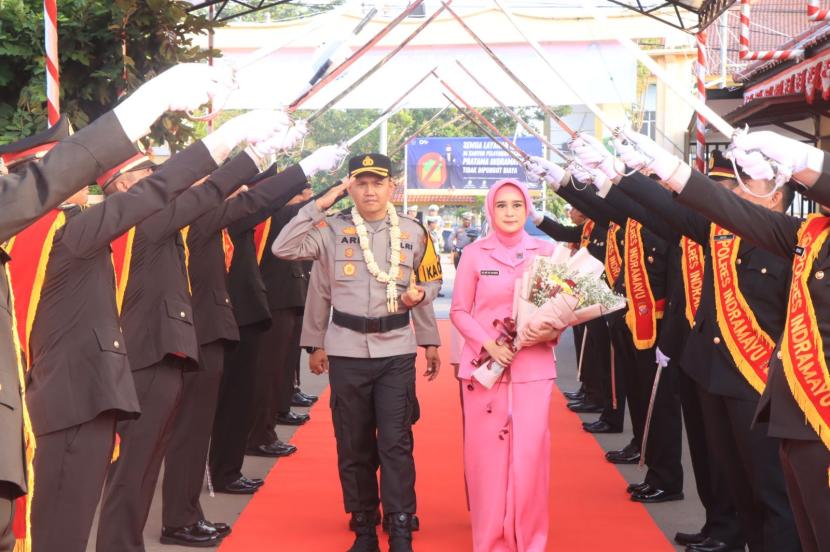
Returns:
<point x="93" y="67"/>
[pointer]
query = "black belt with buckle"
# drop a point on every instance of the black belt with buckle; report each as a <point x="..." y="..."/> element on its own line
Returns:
<point x="365" y="325"/>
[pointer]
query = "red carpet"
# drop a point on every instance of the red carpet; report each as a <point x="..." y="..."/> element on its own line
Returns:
<point x="300" y="508"/>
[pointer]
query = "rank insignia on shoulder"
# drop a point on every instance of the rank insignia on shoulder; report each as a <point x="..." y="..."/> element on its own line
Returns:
<point x="489" y="273"/>
<point x="798" y="250"/>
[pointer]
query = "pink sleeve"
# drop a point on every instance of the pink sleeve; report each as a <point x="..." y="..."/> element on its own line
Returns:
<point x="463" y="297"/>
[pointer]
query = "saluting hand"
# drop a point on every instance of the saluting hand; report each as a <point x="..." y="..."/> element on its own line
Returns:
<point x="330" y="197"/>
<point x="414" y="293"/>
<point x="433" y="362"/>
<point x="318" y="362"/>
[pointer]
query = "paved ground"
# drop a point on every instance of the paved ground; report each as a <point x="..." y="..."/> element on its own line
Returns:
<point x="686" y="515"/>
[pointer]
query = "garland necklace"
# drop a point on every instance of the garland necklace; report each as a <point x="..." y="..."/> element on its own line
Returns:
<point x="369" y="258"/>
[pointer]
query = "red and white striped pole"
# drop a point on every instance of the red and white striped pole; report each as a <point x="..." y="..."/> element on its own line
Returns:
<point x="50" y="20"/>
<point x="815" y="13"/>
<point x="765" y="55"/>
<point x="700" y="121"/>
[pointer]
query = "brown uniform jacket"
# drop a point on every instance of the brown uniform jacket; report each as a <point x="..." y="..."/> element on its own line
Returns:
<point x="68" y="167"/>
<point x="157" y="316"/>
<point x="212" y="305"/>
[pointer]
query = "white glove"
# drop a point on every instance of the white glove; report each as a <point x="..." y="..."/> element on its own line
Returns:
<point x="750" y="150"/>
<point x="589" y="176"/>
<point x="536" y="216"/>
<point x="661" y="359"/>
<point x="180" y="88"/>
<point x="283" y="140"/>
<point x="252" y="127"/>
<point x="638" y="152"/>
<point x="326" y="158"/>
<point x="592" y="154"/>
<point x="539" y="169"/>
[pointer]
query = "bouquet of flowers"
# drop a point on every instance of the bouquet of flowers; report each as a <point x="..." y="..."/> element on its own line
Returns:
<point x="557" y="291"/>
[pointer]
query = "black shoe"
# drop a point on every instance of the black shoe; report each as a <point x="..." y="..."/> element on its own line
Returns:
<point x="222" y="529"/>
<point x="277" y="449"/>
<point x="574" y="395"/>
<point x="312" y="398"/>
<point x="366" y="535"/>
<point x="637" y="488"/>
<point x="241" y="486"/>
<point x="400" y="532"/>
<point x="710" y="545"/>
<point x="387" y="519"/>
<point x="292" y="418"/>
<point x="584" y="407"/>
<point x="352" y="519"/>
<point x="600" y="426"/>
<point x="255" y="481"/>
<point x="687" y="539"/>
<point x="652" y="495"/>
<point x="191" y="535"/>
<point x="298" y="399"/>
<point x="630" y="454"/>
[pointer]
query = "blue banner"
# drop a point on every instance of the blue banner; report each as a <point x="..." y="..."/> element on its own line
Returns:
<point x="472" y="163"/>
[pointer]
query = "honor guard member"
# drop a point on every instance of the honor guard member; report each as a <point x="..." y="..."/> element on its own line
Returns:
<point x="30" y="190"/>
<point x="157" y="319"/>
<point x="210" y="254"/>
<point x="794" y="398"/>
<point x="383" y="273"/>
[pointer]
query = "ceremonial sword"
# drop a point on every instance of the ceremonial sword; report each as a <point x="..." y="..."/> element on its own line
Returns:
<point x="521" y="160"/>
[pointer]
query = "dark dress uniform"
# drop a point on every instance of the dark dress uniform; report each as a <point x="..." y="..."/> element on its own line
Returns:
<point x="286" y="284"/>
<point x="595" y="356"/>
<point x="157" y="319"/>
<point x="638" y="366"/>
<point x="79" y="384"/>
<point x="216" y="329"/>
<point x="26" y="194"/>
<point x="804" y="458"/>
<point x="371" y="353"/>
<point x="748" y="456"/>
<point x="710" y="477"/>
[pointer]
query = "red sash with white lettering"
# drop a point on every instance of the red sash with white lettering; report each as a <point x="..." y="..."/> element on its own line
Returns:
<point x="749" y="345"/>
<point x="802" y="345"/>
<point x="122" y="254"/>
<point x="30" y="250"/>
<point x="642" y="314"/>
<point x="261" y="232"/>
<point x="613" y="259"/>
<point x="693" y="267"/>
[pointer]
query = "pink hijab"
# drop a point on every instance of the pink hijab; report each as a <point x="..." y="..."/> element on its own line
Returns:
<point x="508" y="240"/>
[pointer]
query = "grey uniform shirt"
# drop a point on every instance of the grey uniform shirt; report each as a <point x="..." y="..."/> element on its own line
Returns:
<point x="341" y="280"/>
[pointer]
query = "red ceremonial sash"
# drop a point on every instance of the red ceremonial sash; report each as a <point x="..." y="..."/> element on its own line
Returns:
<point x="122" y="255"/>
<point x="227" y="249"/>
<point x="261" y="237"/>
<point x="585" y="236"/>
<point x="613" y="259"/>
<point x="802" y="345"/>
<point x="642" y="314"/>
<point x="749" y="345"/>
<point x="30" y="250"/>
<point x="693" y="267"/>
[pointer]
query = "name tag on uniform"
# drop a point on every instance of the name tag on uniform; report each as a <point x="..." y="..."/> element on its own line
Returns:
<point x="721" y="237"/>
<point x="489" y="272"/>
<point x="799" y="250"/>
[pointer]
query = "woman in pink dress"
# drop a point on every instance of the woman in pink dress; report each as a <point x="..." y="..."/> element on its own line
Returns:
<point x="506" y="433"/>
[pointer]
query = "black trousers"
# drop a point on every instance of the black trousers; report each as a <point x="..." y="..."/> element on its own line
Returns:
<point x="278" y="361"/>
<point x="235" y="410"/>
<point x="373" y="406"/>
<point x="710" y="477"/>
<point x="131" y="482"/>
<point x="590" y="376"/>
<point x="184" y="465"/>
<point x="753" y="469"/>
<point x="805" y="469"/>
<point x="8" y="495"/>
<point x="638" y="368"/>
<point x="70" y="468"/>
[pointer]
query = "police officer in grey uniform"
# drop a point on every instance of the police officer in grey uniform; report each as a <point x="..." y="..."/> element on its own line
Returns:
<point x="369" y="348"/>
